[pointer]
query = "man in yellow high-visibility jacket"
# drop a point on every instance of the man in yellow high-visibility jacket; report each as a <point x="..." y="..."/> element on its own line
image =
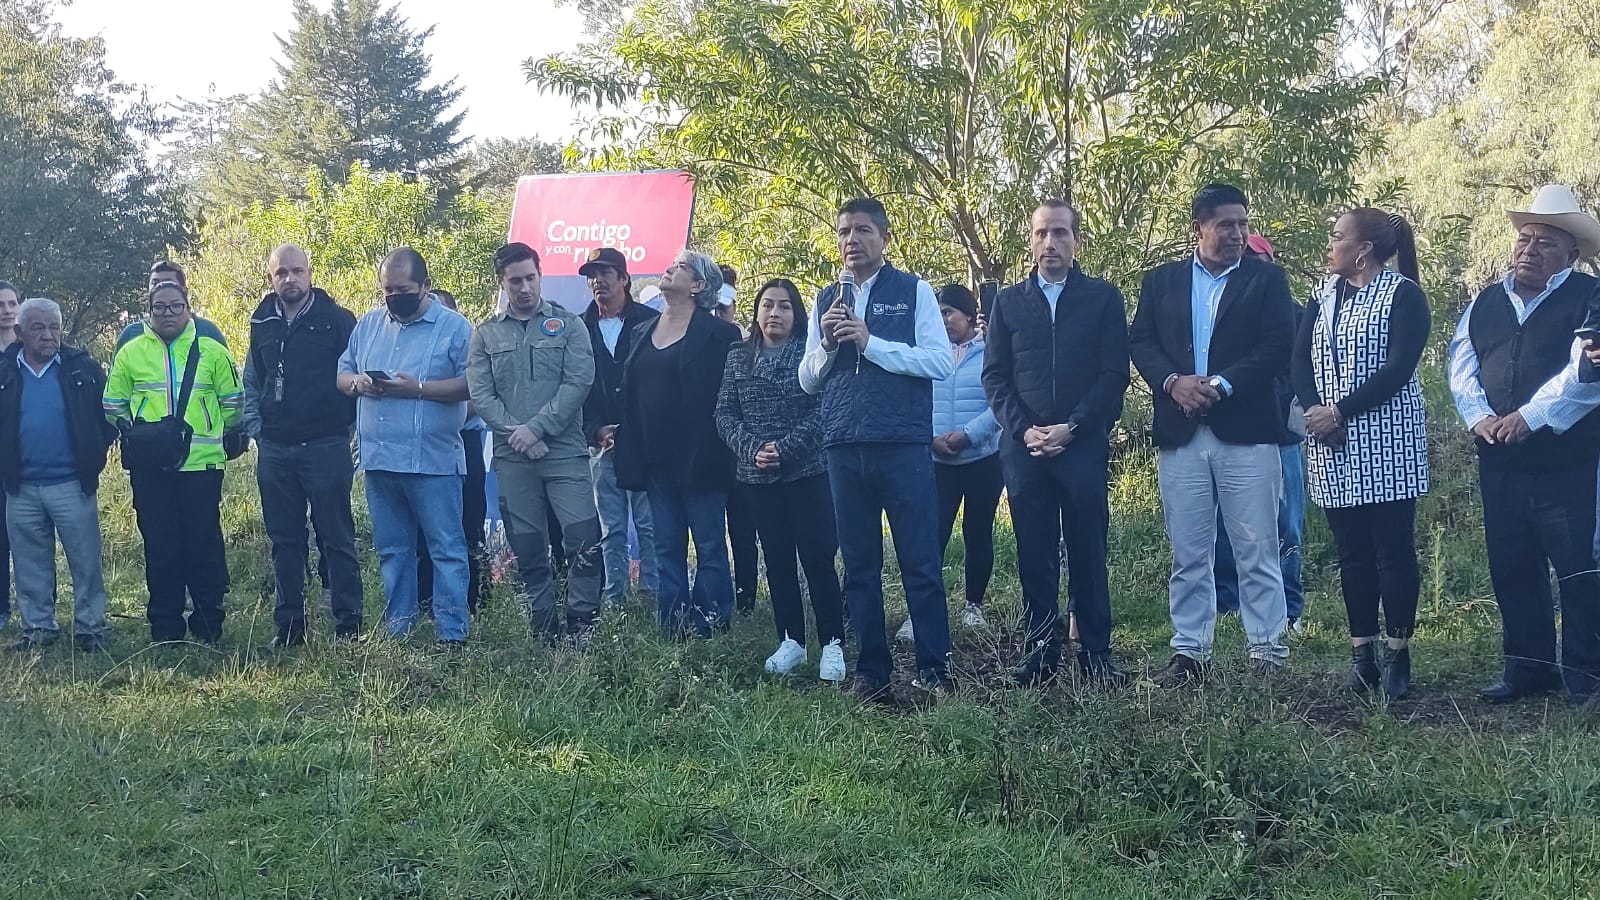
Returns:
<point x="179" y="509"/>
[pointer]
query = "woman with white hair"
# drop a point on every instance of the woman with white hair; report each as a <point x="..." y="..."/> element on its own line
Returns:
<point x="668" y="446"/>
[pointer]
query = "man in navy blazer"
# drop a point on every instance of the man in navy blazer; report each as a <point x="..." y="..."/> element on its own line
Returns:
<point x="1210" y="334"/>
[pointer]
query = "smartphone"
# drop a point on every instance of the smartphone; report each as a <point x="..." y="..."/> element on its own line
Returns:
<point x="1588" y="335"/>
<point x="378" y="375"/>
<point x="987" y="292"/>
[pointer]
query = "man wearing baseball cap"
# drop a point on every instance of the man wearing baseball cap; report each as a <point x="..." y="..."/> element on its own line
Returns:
<point x="613" y="319"/>
<point x="1515" y="376"/>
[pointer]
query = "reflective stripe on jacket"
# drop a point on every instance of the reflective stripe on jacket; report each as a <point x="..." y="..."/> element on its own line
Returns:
<point x="147" y="375"/>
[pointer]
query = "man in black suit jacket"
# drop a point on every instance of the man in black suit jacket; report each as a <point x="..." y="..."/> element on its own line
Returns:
<point x="1210" y="335"/>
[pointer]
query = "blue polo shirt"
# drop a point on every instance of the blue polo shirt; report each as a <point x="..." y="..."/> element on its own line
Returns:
<point x="410" y="435"/>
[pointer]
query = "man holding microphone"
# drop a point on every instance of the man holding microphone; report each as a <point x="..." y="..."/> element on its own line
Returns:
<point x="878" y="346"/>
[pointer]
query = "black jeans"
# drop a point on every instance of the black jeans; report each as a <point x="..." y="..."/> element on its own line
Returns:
<point x="474" y="509"/>
<point x="979" y="484"/>
<point x="291" y="478"/>
<point x="1534" y="521"/>
<point x="1064" y="497"/>
<point x="796" y="518"/>
<point x="742" y="542"/>
<point x="1378" y="565"/>
<point x="180" y="517"/>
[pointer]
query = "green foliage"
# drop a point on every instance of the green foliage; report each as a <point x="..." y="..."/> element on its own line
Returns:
<point x="1523" y="118"/>
<point x="347" y="228"/>
<point x="497" y="163"/>
<point x="961" y="114"/>
<point x="82" y="215"/>
<point x="352" y="89"/>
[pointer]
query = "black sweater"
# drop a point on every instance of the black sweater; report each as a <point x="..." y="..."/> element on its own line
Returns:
<point x="1410" y="323"/>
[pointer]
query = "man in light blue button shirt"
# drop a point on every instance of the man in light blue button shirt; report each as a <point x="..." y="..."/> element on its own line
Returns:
<point x="1211" y="336"/>
<point x="407" y="364"/>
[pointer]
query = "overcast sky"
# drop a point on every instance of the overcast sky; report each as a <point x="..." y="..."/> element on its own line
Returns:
<point x="190" y="48"/>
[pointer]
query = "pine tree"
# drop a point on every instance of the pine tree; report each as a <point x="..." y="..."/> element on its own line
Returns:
<point x="352" y="88"/>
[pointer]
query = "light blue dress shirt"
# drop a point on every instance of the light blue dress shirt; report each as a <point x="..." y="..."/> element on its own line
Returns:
<point x="1052" y="292"/>
<point x="1204" y="298"/>
<point x="409" y="435"/>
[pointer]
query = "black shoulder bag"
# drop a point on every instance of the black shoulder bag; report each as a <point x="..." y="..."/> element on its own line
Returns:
<point x="163" y="445"/>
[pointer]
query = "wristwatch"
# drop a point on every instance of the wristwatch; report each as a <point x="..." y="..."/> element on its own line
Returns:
<point x="1217" y="382"/>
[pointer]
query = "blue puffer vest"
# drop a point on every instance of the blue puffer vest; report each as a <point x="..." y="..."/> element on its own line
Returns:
<point x="959" y="404"/>
<point x="861" y="401"/>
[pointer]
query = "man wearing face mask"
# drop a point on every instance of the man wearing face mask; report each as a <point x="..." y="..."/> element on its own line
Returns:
<point x="406" y="364"/>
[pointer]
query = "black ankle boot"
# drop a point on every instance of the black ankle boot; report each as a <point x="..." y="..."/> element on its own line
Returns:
<point x="1364" y="674"/>
<point x="1397" y="677"/>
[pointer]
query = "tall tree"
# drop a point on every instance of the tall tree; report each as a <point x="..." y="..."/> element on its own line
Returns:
<point x="497" y="163"/>
<point x="960" y="114"/>
<point x="81" y="213"/>
<point x="1522" y="118"/>
<point x="352" y="88"/>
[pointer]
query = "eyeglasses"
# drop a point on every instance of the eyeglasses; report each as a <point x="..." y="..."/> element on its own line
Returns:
<point x="168" y="309"/>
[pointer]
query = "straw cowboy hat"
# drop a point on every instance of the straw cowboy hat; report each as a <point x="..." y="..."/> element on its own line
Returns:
<point x="1555" y="205"/>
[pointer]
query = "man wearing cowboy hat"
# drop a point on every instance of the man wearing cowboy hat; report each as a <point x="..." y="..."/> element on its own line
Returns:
<point x="1514" y="374"/>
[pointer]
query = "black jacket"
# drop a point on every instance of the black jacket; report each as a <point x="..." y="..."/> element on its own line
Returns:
<point x="1250" y="346"/>
<point x="1075" y="369"/>
<point x="83" y="383"/>
<point x="604" y="406"/>
<point x="704" y="461"/>
<point x="311" y="407"/>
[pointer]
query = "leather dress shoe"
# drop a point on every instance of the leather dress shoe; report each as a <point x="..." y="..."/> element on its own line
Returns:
<point x="1508" y="691"/>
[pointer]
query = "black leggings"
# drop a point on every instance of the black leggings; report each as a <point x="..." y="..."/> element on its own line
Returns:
<point x="979" y="484"/>
<point x="1378" y="565"/>
<point x="795" y="521"/>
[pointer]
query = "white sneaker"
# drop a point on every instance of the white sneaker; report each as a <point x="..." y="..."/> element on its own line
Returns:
<point x="905" y="633"/>
<point x="1296" y="626"/>
<point x="788" y="655"/>
<point x="972" y="617"/>
<point x="832" y="666"/>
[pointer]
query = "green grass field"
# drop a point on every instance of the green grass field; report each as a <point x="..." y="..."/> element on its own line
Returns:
<point x="644" y="769"/>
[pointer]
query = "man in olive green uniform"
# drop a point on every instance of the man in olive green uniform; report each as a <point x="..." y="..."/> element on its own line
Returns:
<point x="529" y="370"/>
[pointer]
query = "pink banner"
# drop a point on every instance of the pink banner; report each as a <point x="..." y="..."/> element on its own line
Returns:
<point x="645" y="215"/>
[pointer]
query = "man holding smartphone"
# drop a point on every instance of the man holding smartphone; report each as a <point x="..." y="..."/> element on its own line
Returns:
<point x="1515" y="374"/>
<point x="876" y="348"/>
<point x="1055" y="371"/>
<point x="406" y="364"/>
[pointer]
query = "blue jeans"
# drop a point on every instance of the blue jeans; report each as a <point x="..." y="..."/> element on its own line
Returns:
<point x="401" y="504"/>
<point x="614" y="505"/>
<point x="1291" y="522"/>
<point x="679" y="513"/>
<point x="870" y="480"/>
